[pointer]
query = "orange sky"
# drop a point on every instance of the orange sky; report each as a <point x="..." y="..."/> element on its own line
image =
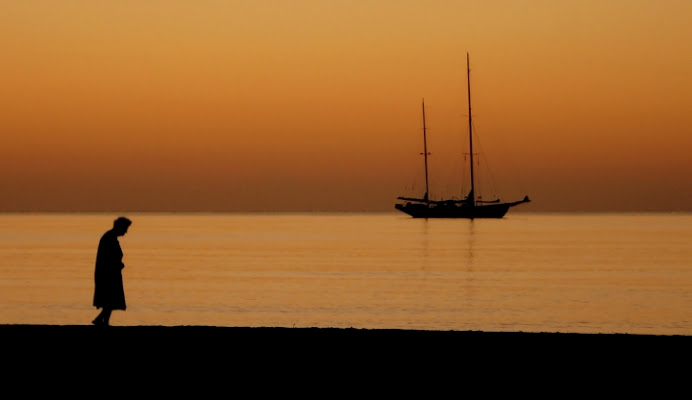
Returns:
<point x="316" y="105"/>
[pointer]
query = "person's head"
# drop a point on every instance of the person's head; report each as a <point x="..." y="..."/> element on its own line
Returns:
<point x="121" y="225"/>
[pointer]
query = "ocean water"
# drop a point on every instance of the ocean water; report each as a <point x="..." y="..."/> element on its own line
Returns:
<point x="530" y="272"/>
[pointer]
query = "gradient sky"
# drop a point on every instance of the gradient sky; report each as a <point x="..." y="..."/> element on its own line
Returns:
<point x="142" y="105"/>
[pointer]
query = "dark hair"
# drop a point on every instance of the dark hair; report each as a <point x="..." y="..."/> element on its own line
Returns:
<point x="122" y="222"/>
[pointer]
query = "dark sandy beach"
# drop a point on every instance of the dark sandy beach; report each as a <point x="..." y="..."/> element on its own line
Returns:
<point x="312" y="340"/>
<point x="350" y="357"/>
<point x="327" y="343"/>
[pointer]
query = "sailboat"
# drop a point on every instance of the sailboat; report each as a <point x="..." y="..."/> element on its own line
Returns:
<point x="469" y="207"/>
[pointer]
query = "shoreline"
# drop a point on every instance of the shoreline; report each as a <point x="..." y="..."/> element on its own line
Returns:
<point x="327" y="330"/>
<point x="342" y="356"/>
<point x="314" y="332"/>
<point x="338" y="339"/>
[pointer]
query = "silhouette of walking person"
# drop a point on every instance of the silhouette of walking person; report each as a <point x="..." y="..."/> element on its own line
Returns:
<point x="109" y="293"/>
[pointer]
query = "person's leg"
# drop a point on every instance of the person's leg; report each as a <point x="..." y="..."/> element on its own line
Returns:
<point x="106" y="316"/>
<point x="103" y="317"/>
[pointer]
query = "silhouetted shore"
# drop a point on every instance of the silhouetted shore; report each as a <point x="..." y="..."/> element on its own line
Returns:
<point x="340" y="356"/>
<point x="135" y="334"/>
<point x="315" y="342"/>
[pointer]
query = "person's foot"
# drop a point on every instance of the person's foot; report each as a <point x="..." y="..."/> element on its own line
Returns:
<point x="97" y="322"/>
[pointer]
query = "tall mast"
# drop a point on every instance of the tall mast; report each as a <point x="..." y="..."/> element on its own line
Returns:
<point x="472" y="196"/>
<point x="425" y="156"/>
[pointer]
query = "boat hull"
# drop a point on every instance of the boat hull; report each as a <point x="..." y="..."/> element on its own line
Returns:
<point x="468" y="208"/>
<point x="417" y="210"/>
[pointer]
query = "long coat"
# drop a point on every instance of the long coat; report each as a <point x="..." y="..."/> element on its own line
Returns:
<point x="108" y="278"/>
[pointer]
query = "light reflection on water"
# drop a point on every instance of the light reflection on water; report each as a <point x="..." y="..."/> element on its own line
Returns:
<point x="592" y="273"/>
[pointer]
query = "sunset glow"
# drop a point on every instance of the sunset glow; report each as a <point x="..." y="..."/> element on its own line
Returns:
<point x="309" y="105"/>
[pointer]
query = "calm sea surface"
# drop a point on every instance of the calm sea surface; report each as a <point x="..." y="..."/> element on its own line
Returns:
<point x="531" y="272"/>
